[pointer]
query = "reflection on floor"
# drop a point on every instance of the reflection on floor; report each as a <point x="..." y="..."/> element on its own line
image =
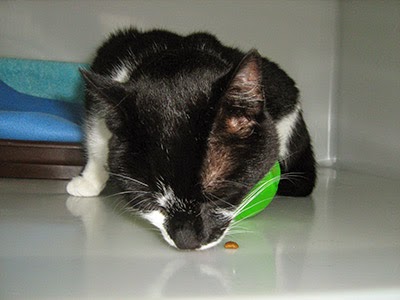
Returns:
<point x="344" y="239"/>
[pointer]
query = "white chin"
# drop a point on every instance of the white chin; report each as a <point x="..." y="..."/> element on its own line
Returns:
<point x="212" y="244"/>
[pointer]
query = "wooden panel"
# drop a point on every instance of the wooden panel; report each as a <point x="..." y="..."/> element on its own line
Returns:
<point x="45" y="160"/>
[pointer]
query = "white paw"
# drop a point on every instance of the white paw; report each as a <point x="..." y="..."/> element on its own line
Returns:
<point x="82" y="187"/>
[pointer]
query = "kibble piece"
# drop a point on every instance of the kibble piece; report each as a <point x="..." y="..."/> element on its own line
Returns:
<point x="231" y="245"/>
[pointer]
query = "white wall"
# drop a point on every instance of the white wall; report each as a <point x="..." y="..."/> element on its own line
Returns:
<point x="299" y="35"/>
<point x="369" y="87"/>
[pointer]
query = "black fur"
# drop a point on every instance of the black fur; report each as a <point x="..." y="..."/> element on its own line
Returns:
<point x="198" y="117"/>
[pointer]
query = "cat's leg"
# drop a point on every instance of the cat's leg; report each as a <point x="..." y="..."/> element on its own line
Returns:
<point x="297" y="160"/>
<point x="298" y="174"/>
<point x="94" y="176"/>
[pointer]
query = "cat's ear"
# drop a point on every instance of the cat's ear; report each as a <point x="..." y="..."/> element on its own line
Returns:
<point x="112" y="97"/>
<point x="103" y="88"/>
<point x="243" y="102"/>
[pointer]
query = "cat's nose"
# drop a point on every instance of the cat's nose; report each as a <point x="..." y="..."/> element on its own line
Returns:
<point x="186" y="239"/>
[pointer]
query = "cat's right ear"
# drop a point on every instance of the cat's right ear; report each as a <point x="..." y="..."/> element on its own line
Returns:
<point x="92" y="80"/>
<point x="103" y="88"/>
<point x="110" y="95"/>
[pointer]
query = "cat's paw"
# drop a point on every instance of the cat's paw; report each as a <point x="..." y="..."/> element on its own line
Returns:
<point x="82" y="187"/>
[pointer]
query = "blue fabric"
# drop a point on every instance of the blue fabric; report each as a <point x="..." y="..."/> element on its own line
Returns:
<point x="44" y="79"/>
<point x="26" y="117"/>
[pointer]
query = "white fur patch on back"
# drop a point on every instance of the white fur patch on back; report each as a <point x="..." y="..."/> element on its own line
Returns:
<point x="285" y="128"/>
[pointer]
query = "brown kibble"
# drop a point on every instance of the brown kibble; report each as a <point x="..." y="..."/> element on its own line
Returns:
<point x="231" y="245"/>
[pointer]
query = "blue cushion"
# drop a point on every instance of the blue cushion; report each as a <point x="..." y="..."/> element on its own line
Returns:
<point x="43" y="78"/>
<point x="26" y="117"/>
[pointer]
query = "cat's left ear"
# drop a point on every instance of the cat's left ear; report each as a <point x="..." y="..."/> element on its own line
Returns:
<point x="243" y="101"/>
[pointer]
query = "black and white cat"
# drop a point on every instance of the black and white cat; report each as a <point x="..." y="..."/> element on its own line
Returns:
<point x="186" y="126"/>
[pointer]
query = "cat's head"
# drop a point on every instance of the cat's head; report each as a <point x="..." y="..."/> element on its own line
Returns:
<point x="190" y="139"/>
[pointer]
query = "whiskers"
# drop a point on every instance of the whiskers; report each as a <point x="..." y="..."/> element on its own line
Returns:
<point x="236" y="228"/>
<point x="245" y="204"/>
<point x="136" y="199"/>
<point x="133" y="203"/>
<point x="128" y="178"/>
<point x="217" y="201"/>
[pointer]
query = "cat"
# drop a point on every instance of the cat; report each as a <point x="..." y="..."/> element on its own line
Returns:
<point x="186" y="126"/>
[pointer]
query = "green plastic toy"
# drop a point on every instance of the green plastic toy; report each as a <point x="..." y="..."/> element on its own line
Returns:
<point x="261" y="194"/>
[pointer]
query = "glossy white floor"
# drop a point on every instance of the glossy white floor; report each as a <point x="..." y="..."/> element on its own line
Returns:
<point x="343" y="242"/>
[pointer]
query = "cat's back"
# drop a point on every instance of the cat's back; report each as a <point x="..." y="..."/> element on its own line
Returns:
<point x="134" y="47"/>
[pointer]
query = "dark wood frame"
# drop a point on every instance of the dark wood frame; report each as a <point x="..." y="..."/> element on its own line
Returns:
<point x="44" y="160"/>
